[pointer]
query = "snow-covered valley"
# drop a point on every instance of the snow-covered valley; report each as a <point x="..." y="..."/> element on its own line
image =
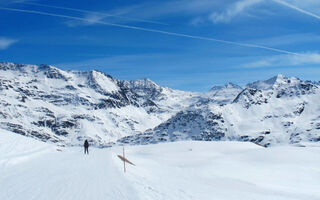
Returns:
<point x="32" y="169"/>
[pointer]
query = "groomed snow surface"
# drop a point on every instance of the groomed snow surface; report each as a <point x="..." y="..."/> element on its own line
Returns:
<point x="181" y="170"/>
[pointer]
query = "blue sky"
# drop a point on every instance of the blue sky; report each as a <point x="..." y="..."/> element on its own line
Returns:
<point x="183" y="44"/>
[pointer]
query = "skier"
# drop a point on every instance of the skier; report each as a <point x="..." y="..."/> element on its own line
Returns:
<point x="86" y="147"/>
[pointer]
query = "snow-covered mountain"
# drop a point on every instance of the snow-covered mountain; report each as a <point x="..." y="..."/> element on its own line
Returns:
<point x="280" y="110"/>
<point x="65" y="107"/>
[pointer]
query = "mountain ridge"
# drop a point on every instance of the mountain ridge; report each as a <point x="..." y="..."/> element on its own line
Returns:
<point x="66" y="107"/>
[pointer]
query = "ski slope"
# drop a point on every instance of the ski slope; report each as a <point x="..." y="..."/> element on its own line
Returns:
<point x="182" y="170"/>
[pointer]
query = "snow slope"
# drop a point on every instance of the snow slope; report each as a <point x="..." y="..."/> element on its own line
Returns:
<point x="168" y="171"/>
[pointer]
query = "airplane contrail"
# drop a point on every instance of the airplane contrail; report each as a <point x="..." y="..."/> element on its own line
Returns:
<point x="92" y="12"/>
<point x="152" y="30"/>
<point x="297" y="8"/>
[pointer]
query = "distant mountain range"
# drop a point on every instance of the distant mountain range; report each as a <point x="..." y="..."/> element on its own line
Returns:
<point x="66" y="107"/>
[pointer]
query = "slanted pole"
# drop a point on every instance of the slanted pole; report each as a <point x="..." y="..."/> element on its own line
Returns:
<point x="123" y="158"/>
<point x="124" y="162"/>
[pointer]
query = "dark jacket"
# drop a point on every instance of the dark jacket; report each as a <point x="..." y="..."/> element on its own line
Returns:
<point x="86" y="144"/>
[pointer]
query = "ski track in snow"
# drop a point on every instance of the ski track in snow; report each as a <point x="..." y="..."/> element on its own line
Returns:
<point x="66" y="175"/>
<point x="182" y="170"/>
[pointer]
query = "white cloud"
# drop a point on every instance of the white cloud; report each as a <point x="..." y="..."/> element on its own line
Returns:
<point x="285" y="60"/>
<point x="6" y="42"/>
<point x="6" y="2"/>
<point x="201" y="11"/>
<point x="96" y="16"/>
<point x="291" y="39"/>
<point x="219" y="10"/>
<point x="167" y="8"/>
<point x="198" y="20"/>
<point x="150" y="30"/>
<point x="305" y="4"/>
<point x="294" y="5"/>
<point x="90" y="19"/>
<point x="233" y="10"/>
<point x="241" y="7"/>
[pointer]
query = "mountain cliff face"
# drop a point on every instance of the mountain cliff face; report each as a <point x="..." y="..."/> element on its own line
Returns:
<point x="66" y="107"/>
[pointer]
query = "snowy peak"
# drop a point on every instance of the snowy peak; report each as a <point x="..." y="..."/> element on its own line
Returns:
<point x="54" y="73"/>
<point x="265" y="84"/>
<point x="260" y="92"/>
<point x="225" y="93"/>
<point x="102" y="82"/>
<point x="6" y="66"/>
<point x="226" y="86"/>
<point x="144" y="87"/>
<point x="144" y="84"/>
<point x="274" y="82"/>
<point x="48" y="71"/>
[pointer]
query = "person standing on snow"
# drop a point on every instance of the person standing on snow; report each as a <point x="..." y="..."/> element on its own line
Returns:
<point x="86" y="147"/>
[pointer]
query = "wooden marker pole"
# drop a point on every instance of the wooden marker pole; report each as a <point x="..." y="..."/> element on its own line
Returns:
<point x="124" y="162"/>
<point x="123" y="158"/>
